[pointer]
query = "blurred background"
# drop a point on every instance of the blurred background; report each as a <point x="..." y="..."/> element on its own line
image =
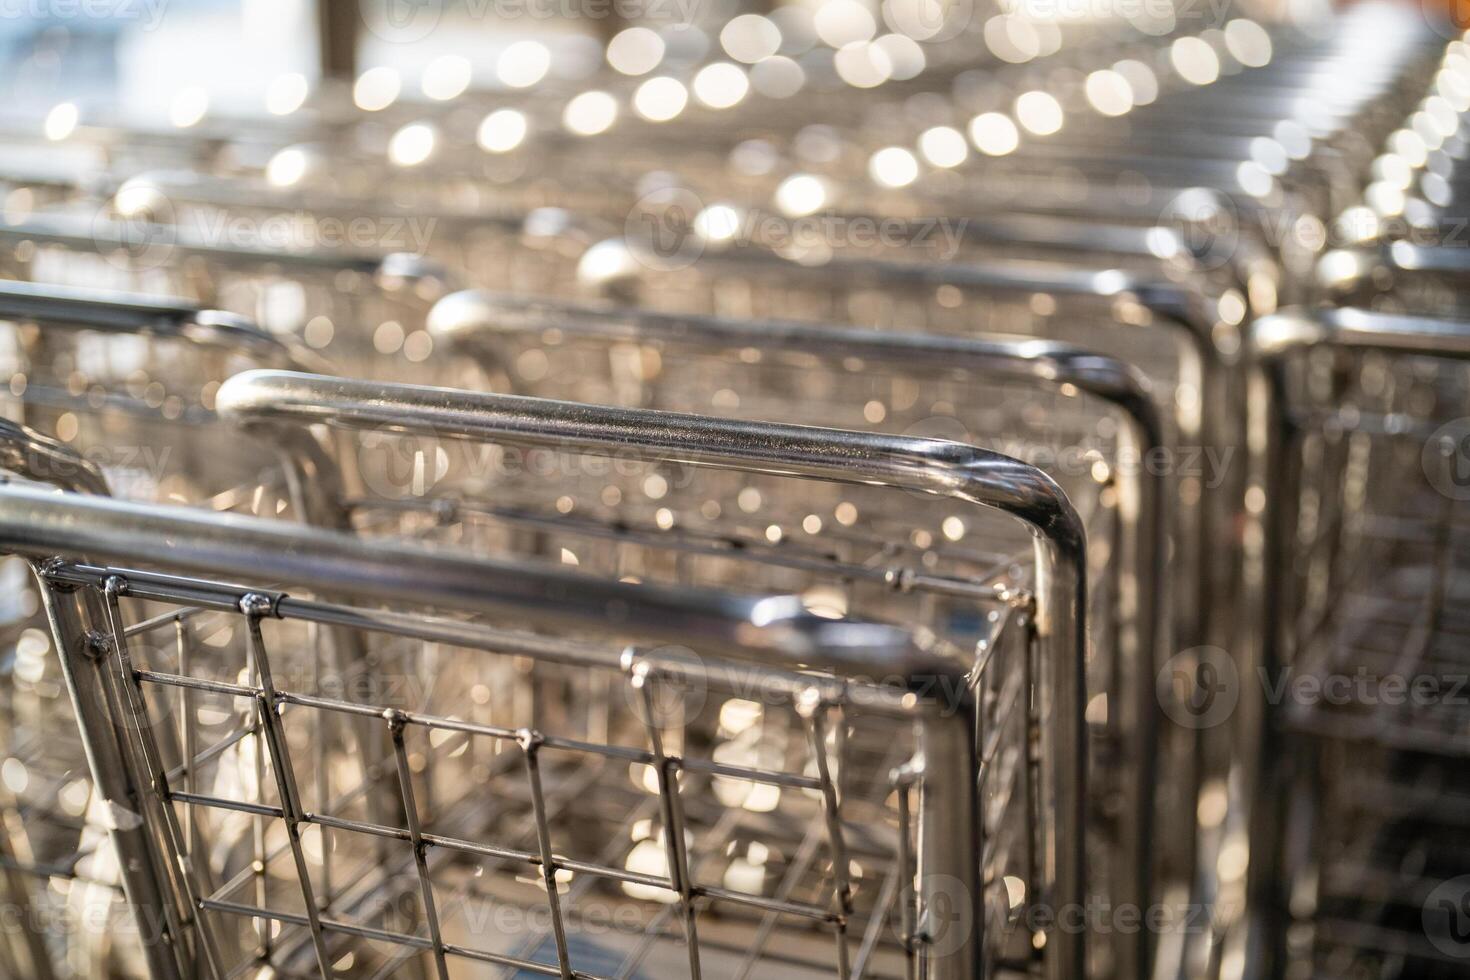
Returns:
<point x="172" y="62"/>
<point x="1232" y="231"/>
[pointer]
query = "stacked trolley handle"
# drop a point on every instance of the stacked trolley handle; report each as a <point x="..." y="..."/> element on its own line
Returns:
<point x="636" y="569"/>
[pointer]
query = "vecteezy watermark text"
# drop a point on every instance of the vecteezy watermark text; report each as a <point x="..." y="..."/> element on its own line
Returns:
<point x="148" y="14"/>
<point x="672" y="228"/>
<point x="407" y="21"/>
<point x="1210" y="464"/>
<point x="1201" y="688"/>
<point x="301" y="230"/>
<point x="148" y="239"/>
<point x="1192" y="12"/>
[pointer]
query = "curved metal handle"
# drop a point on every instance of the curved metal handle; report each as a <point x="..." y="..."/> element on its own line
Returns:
<point x="1207" y="365"/>
<point x="38" y="457"/>
<point x="945" y="468"/>
<point x="1183" y="312"/>
<point x="100" y="309"/>
<point x="1276" y="337"/>
<point x="984" y="478"/>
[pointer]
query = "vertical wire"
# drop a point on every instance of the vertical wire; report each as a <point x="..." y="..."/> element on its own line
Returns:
<point x="130" y="695"/>
<point x="530" y="743"/>
<point x="396" y="723"/>
<point x="267" y="702"/>
<point x="668" y="788"/>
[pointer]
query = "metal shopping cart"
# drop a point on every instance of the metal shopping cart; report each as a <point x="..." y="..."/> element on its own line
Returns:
<point x="1183" y="341"/>
<point x="1096" y="310"/>
<point x="691" y="527"/>
<point x="1357" y="556"/>
<point x="131" y="379"/>
<point x="1007" y="483"/>
<point x="1125" y="631"/>
<point x="56" y="315"/>
<point x="741" y="830"/>
<point x="1087" y="419"/>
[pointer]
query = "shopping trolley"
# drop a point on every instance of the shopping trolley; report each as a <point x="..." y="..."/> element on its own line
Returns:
<point x="524" y="268"/>
<point x="1181" y="341"/>
<point x="920" y="463"/>
<point x="1355" y="571"/>
<point x="1127" y="598"/>
<point x="554" y="251"/>
<point x="1129" y="826"/>
<point x="676" y="525"/>
<point x="1173" y="315"/>
<point x="1184" y="341"/>
<point x="527" y="241"/>
<point x="850" y="378"/>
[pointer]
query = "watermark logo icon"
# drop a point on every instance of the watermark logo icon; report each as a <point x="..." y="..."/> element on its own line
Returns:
<point x="393" y="465"/>
<point x="1199" y="687"/>
<point x="137" y="230"/>
<point x="930" y="21"/>
<point x="1205" y="224"/>
<point x="661" y="229"/>
<point x="667" y="685"/>
<point x="401" y="21"/>
<point x="1446" y="459"/>
<point x="1447" y="917"/>
<point x="947" y="916"/>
